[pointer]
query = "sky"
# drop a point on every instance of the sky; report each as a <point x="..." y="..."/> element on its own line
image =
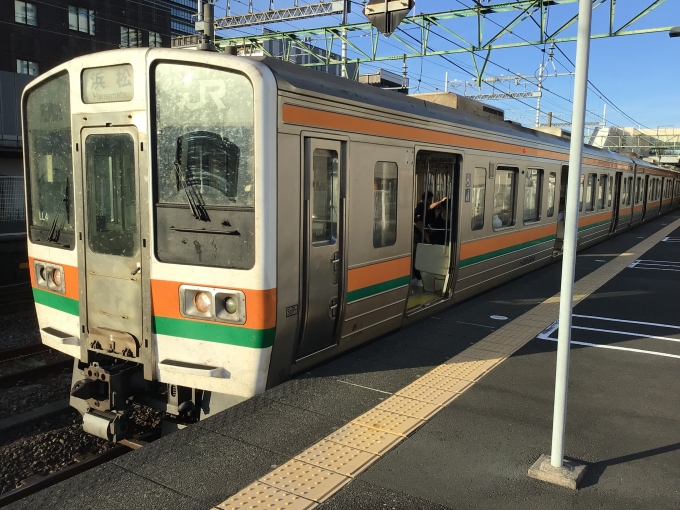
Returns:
<point x="638" y="75"/>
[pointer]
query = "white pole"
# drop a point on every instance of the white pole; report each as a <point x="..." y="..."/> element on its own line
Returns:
<point x="446" y="83"/>
<point x="571" y="232"/>
<point x="538" y="99"/>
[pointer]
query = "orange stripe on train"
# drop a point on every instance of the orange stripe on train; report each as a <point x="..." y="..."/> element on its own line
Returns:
<point x="366" y="276"/>
<point x="594" y="218"/>
<point x="260" y="304"/>
<point x="317" y="118"/>
<point x="70" y="278"/>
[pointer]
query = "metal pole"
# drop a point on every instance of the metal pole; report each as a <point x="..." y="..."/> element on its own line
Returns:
<point x="571" y="232"/>
<point x="446" y="83"/>
<point x="343" y="69"/>
<point x="538" y="99"/>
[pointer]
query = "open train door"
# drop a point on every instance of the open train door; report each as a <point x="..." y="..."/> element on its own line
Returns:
<point x="436" y="204"/>
<point x="617" y="201"/>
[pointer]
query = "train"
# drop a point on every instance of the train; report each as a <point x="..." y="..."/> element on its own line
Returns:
<point x="202" y="227"/>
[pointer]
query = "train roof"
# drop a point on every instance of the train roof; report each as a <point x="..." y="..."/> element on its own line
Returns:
<point x="297" y="79"/>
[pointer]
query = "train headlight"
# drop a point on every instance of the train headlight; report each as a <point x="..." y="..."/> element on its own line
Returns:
<point x="56" y="277"/>
<point x="202" y="301"/>
<point x="230" y="305"/>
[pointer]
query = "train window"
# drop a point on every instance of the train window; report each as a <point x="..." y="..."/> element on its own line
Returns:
<point x="590" y="192"/>
<point x="580" y="194"/>
<point x="602" y="192"/>
<point x="111" y="194"/>
<point x="552" y="184"/>
<point x="638" y="190"/>
<point x="478" y="198"/>
<point x="325" y="191"/>
<point x="204" y="120"/>
<point x="385" y="187"/>
<point x="609" y="191"/>
<point x="204" y="166"/>
<point x="505" y="192"/>
<point x="533" y="187"/>
<point x="629" y="193"/>
<point x="49" y="167"/>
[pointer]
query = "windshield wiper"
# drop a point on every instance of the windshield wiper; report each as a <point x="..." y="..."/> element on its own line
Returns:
<point x="195" y="201"/>
<point x="55" y="230"/>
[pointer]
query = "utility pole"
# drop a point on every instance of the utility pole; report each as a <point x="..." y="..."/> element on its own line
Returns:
<point x="554" y="468"/>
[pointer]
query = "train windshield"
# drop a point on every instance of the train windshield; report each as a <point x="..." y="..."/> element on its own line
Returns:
<point x="204" y="166"/>
<point x="49" y="163"/>
<point x="204" y="122"/>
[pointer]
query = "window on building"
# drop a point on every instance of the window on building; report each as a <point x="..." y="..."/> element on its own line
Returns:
<point x="385" y="187"/>
<point x="25" y="13"/>
<point x="504" y="197"/>
<point x="552" y="184"/>
<point x="533" y="185"/>
<point x="130" y="37"/>
<point x="155" y="40"/>
<point x="478" y="198"/>
<point x="81" y="19"/>
<point x="27" y="67"/>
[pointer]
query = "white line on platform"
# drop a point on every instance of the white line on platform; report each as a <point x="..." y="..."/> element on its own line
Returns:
<point x="364" y="387"/>
<point x="473" y="324"/>
<point x="628" y="333"/>
<point x="616" y="348"/>
<point x="658" y="265"/>
<point x="626" y="321"/>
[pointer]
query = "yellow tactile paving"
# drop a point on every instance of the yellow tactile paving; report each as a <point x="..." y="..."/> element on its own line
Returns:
<point x="427" y="394"/>
<point x="260" y="495"/>
<point x="383" y="427"/>
<point x="442" y="382"/>
<point x="365" y="438"/>
<point x="305" y="480"/>
<point x="339" y="458"/>
<point x="389" y="422"/>
<point x="409" y="407"/>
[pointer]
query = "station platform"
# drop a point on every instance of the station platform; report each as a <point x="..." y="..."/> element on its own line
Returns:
<point x="451" y="412"/>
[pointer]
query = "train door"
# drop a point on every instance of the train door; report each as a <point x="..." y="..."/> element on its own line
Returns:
<point x="112" y="248"/>
<point x="323" y="272"/>
<point x="561" y="210"/>
<point x="617" y="201"/>
<point x="435" y="227"/>
<point x="645" y="197"/>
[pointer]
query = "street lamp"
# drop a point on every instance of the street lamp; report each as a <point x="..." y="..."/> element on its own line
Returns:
<point x="674" y="32"/>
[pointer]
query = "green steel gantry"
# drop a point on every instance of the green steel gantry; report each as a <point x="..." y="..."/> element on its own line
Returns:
<point x="428" y="23"/>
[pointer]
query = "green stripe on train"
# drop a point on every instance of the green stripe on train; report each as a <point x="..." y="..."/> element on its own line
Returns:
<point x="504" y="251"/>
<point x="57" y="301"/>
<point x="357" y="294"/>
<point x="214" y="332"/>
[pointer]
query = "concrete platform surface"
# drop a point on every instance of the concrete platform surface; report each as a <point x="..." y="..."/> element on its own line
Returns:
<point x="623" y="419"/>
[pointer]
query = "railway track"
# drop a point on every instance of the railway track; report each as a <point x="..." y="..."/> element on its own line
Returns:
<point x="15" y="297"/>
<point x="38" y="484"/>
<point x="31" y="373"/>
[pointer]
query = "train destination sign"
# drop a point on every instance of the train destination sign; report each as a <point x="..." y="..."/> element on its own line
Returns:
<point x="108" y="84"/>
